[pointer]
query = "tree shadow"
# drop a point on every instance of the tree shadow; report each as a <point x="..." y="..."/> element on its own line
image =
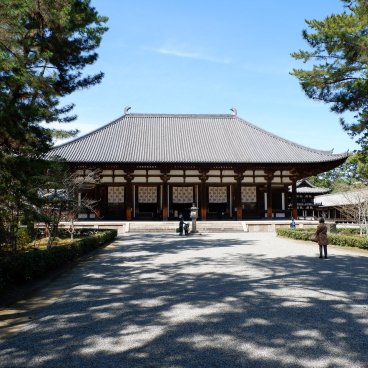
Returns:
<point x="164" y="301"/>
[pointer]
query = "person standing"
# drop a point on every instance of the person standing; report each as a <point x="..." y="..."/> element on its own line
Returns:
<point x="292" y="224"/>
<point x="181" y="224"/>
<point x="322" y="239"/>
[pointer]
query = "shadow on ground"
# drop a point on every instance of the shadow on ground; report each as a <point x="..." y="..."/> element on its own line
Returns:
<point x="163" y="301"/>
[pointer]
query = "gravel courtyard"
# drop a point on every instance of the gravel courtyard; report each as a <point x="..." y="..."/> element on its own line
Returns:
<point x="211" y="300"/>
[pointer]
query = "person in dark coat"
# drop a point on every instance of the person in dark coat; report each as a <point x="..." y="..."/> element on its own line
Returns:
<point x="181" y="225"/>
<point x="322" y="239"/>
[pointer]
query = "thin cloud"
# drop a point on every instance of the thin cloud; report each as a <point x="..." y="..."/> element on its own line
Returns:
<point x="190" y="55"/>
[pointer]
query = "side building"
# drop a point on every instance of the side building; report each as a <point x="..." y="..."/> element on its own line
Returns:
<point x="350" y="206"/>
<point x="307" y="205"/>
<point x="155" y="166"/>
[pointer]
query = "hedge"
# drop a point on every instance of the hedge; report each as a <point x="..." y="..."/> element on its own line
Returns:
<point x="20" y="267"/>
<point x="349" y="231"/>
<point x="341" y="240"/>
<point x="294" y="234"/>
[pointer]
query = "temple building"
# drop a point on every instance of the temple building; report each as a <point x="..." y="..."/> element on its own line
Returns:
<point x="307" y="205"/>
<point x="155" y="166"/>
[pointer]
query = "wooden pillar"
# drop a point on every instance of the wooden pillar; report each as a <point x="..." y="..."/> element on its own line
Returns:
<point x="165" y="191"/>
<point x="287" y="198"/>
<point x="269" y="179"/>
<point x="128" y="197"/>
<point x="100" y="203"/>
<point x="165" y="204"/>
<point x="238" y="199"/>
<point x="203" y="201"/>
<point x="294" y="204"/>
<point x="203" y="195"/>
<point x="269" y="200"/>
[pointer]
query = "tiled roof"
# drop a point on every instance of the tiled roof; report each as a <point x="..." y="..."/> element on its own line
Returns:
<point x="171" y="138"/>
<point x="316" y="190"/>
<point x="303" y="186"/>
<point x="343" y="198"/>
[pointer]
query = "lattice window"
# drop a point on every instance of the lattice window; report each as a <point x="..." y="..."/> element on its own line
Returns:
<point x="249" y="194"/>
<point x="147" y="194"/>
<point x="182" y="194"/>
<point x="217" y="195"/>
<point x="115" y="195"/>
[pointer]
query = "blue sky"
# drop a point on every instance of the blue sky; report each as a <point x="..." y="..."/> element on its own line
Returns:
<point x="206" y="56"/>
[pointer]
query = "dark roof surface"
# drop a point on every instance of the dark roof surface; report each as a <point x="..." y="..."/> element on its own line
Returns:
<point x="305" y="187"/>
<point x="171" y="138"/>
<point x="316" y="190"/>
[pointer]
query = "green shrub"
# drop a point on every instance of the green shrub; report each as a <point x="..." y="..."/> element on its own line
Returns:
<point x="23" y="266"/>
<point x="334" y="239"/>
<point x="348" y="231"/>
<point x="348" y="240"/>
<point x="300" y="234"/>
<point x="23" y="237"/>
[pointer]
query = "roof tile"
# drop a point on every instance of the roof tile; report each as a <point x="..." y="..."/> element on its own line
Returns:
<point x="169" y="138"/>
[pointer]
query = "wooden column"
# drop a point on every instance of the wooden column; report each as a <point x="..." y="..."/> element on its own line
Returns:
<point x="101" y="195"/>
<point x="269" y="200"/>
<point x="203" y="195"/>
<point x="294" y="204"/>
<point x="287" y="196"/>
<point x="100" y="200"/>
<point x="269" y="178"/>
<point x="238" y="199"/>
<point x="128" y="197"/>
<point x="165" y="204"/>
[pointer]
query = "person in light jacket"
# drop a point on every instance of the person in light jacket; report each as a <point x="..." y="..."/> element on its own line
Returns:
<point x="322" y="239"/>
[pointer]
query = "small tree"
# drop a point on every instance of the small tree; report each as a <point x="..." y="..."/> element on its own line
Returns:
<point x="61" y="200"/>
<point x="19" y="183"/>
<point x="51" y="213"/>
<point x="72" y="185"/>
<point x="355" y="207"/>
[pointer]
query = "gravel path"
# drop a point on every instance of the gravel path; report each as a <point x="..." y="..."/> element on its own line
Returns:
<point x="213" y="300"/>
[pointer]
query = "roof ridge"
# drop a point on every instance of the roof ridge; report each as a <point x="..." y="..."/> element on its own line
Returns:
<point x="177" y="115"/>
<point x="349" y="191"/>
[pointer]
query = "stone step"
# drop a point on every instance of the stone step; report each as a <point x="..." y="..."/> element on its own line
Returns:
<point x="202" y="226"/>
<point x="221" y="226"/>
<point x="137" y="227"/>
<point x="170" y="226"/>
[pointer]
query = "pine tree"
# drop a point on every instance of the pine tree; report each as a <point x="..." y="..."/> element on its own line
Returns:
<point x="44" y="47"/>
<point x="339" y="76"/>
